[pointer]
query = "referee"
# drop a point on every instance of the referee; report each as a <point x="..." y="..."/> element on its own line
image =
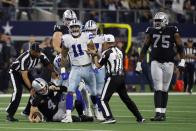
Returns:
<point x="190" y="57"/>
<point x="19" y="74"/>
<point x="112" y="58"/>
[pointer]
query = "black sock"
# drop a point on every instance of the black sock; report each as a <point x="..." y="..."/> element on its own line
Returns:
<point x="94" y="99"/>
<point x="164" y="99"/>
<point x="78" y="106"/>
<point x="158" y="99"/>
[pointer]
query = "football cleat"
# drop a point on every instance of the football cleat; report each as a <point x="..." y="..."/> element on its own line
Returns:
<point x="163" y="117"/>
<point x="157" y="117"/>
<point x="67" y="119"/>
<point x="141" y="120"/>
<point x="11" y="118"/>
<point x="109" y="121"/>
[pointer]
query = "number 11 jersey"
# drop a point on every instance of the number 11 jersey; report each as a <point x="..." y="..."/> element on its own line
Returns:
<point x="77" y="48"/>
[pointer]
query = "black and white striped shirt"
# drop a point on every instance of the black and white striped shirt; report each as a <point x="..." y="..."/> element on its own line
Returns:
<point x="26" y="62"/>
<point x="113" y="61"/>
<point x="190" y="51"/>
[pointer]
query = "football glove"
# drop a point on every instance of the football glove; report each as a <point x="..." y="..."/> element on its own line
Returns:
<point x="138" y="67"/>
<point x="64" y="74"/>
<point x="182" y="63"/>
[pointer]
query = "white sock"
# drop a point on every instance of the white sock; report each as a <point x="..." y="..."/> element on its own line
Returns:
<point x="163" y="110"/>
<point x="158" y="110"/>
<point x="68" y="112"/>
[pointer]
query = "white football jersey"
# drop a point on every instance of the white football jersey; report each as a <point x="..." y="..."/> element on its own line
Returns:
<point x="77" y="48"/>
<point x="57" y="64"/>
<point x="98" y="40"/>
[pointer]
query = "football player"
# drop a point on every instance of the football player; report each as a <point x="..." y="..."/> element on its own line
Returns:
<point x="50" y="104"/>
<point x="98" y="40"/>
<point x="81" y="67"/>
<point x="81" y="92"/>
<point x="60" y="30"/>
<point x="162" y="39"/>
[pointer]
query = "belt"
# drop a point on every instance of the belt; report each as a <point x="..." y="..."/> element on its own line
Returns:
<point x="83" y="65"/>
<point x="115" y="74"/>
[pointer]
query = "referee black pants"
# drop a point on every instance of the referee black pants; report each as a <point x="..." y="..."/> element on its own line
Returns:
<point x="189" y="76"/>
<point x="116" y="84"/>
<point x="17" y="83"/>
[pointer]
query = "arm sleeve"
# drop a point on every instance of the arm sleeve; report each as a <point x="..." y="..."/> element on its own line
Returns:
<point x="24" y="64"/>
<point x="44" y="59"/>
<point x="35" y="101"/>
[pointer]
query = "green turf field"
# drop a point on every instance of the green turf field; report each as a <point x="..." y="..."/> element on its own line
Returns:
<point x="181" y="116"/>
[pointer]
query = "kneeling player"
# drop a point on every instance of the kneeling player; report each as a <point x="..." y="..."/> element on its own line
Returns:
<point x="49" y="102"/>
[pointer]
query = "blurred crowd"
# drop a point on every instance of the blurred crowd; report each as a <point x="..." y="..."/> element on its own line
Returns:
<point x="102" y="10"/>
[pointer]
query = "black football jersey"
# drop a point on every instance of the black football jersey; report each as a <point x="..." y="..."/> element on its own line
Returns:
<point x="47" y="104"/>
<point x="162" y="43"/>
<point x="61" y="28"/>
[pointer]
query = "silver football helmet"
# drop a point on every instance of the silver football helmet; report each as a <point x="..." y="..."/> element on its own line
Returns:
<point x="68" y="15"/>
<point x="40" y="86"/>
<point x="91" y="26"/>
<point x="75" y="28"/>
<point x="160" y="20"/>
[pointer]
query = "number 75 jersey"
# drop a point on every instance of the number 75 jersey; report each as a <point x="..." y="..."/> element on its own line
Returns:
<point x="77" y="48"/>
<point x="162" y="43"/>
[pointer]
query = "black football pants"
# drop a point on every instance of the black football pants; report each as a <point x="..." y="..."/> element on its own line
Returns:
<point x="189" y="76"/>
<point x="17" y="83"/>
<point x="116" y="84"/>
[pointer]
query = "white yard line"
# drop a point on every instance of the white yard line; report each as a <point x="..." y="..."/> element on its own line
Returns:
<point x="48" y="129"/>
<point x="19" y="108"/>
<point x="115" y="94"/>
<point x="153" y="111"/>
<point x="159" y="123"/>
<point x="170" y="106"/>
<point x="168" y="117"/>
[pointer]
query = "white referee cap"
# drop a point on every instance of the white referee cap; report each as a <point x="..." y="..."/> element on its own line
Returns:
<point x="109" y="38"/>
